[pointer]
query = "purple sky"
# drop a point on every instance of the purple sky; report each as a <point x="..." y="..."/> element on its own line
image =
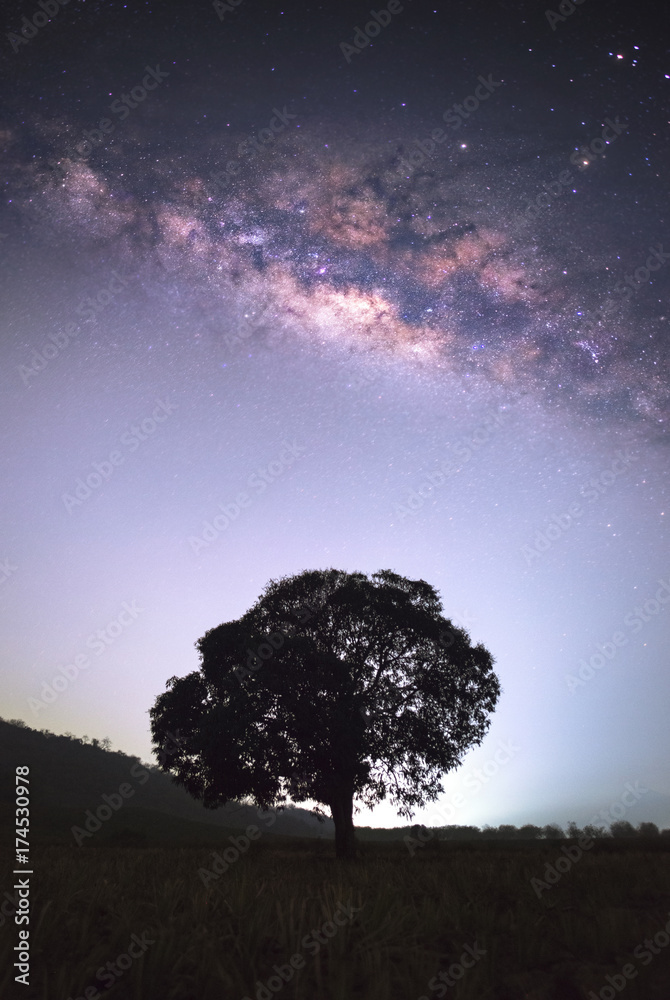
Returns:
<point x="347" y="349"/>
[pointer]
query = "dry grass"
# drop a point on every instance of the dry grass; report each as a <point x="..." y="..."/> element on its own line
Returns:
<point x="414" y="917"/>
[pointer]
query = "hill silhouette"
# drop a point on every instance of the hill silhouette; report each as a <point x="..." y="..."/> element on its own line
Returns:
<point x="69" y="777"/>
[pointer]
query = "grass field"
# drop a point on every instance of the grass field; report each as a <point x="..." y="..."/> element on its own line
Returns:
<point x="385" y="925"/>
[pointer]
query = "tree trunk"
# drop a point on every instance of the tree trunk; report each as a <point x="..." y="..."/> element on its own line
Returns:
<point x="342" y="809"/>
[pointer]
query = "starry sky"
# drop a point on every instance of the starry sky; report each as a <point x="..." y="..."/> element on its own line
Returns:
<point x="287" y="289"/>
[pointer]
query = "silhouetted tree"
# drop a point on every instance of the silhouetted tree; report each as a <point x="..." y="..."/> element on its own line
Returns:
<point x="648" y="830"/>
<point x="552" y="831"/>
<point x="622" y="828"/>
<point x="454" y="832"/>
<point x="530" y="832"/>
<point x="595" y="832"/>
<point x="332" y="687"/>
<point x="507" y="831"/>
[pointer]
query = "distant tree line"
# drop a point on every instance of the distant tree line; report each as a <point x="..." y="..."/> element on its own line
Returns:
<point x="620" y="828"/>
<point x="551" y="831"/>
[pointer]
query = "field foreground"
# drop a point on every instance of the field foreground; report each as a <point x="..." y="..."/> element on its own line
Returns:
<point x="142" y="923"/>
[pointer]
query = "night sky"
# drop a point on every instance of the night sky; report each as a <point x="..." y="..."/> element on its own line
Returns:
<point x="301" y="288"/>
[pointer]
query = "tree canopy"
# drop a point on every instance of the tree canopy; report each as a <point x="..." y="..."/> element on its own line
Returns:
<point x="333" y="687"/>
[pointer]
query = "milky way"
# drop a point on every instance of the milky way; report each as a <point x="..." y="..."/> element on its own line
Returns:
<point x="342" y="233"/>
